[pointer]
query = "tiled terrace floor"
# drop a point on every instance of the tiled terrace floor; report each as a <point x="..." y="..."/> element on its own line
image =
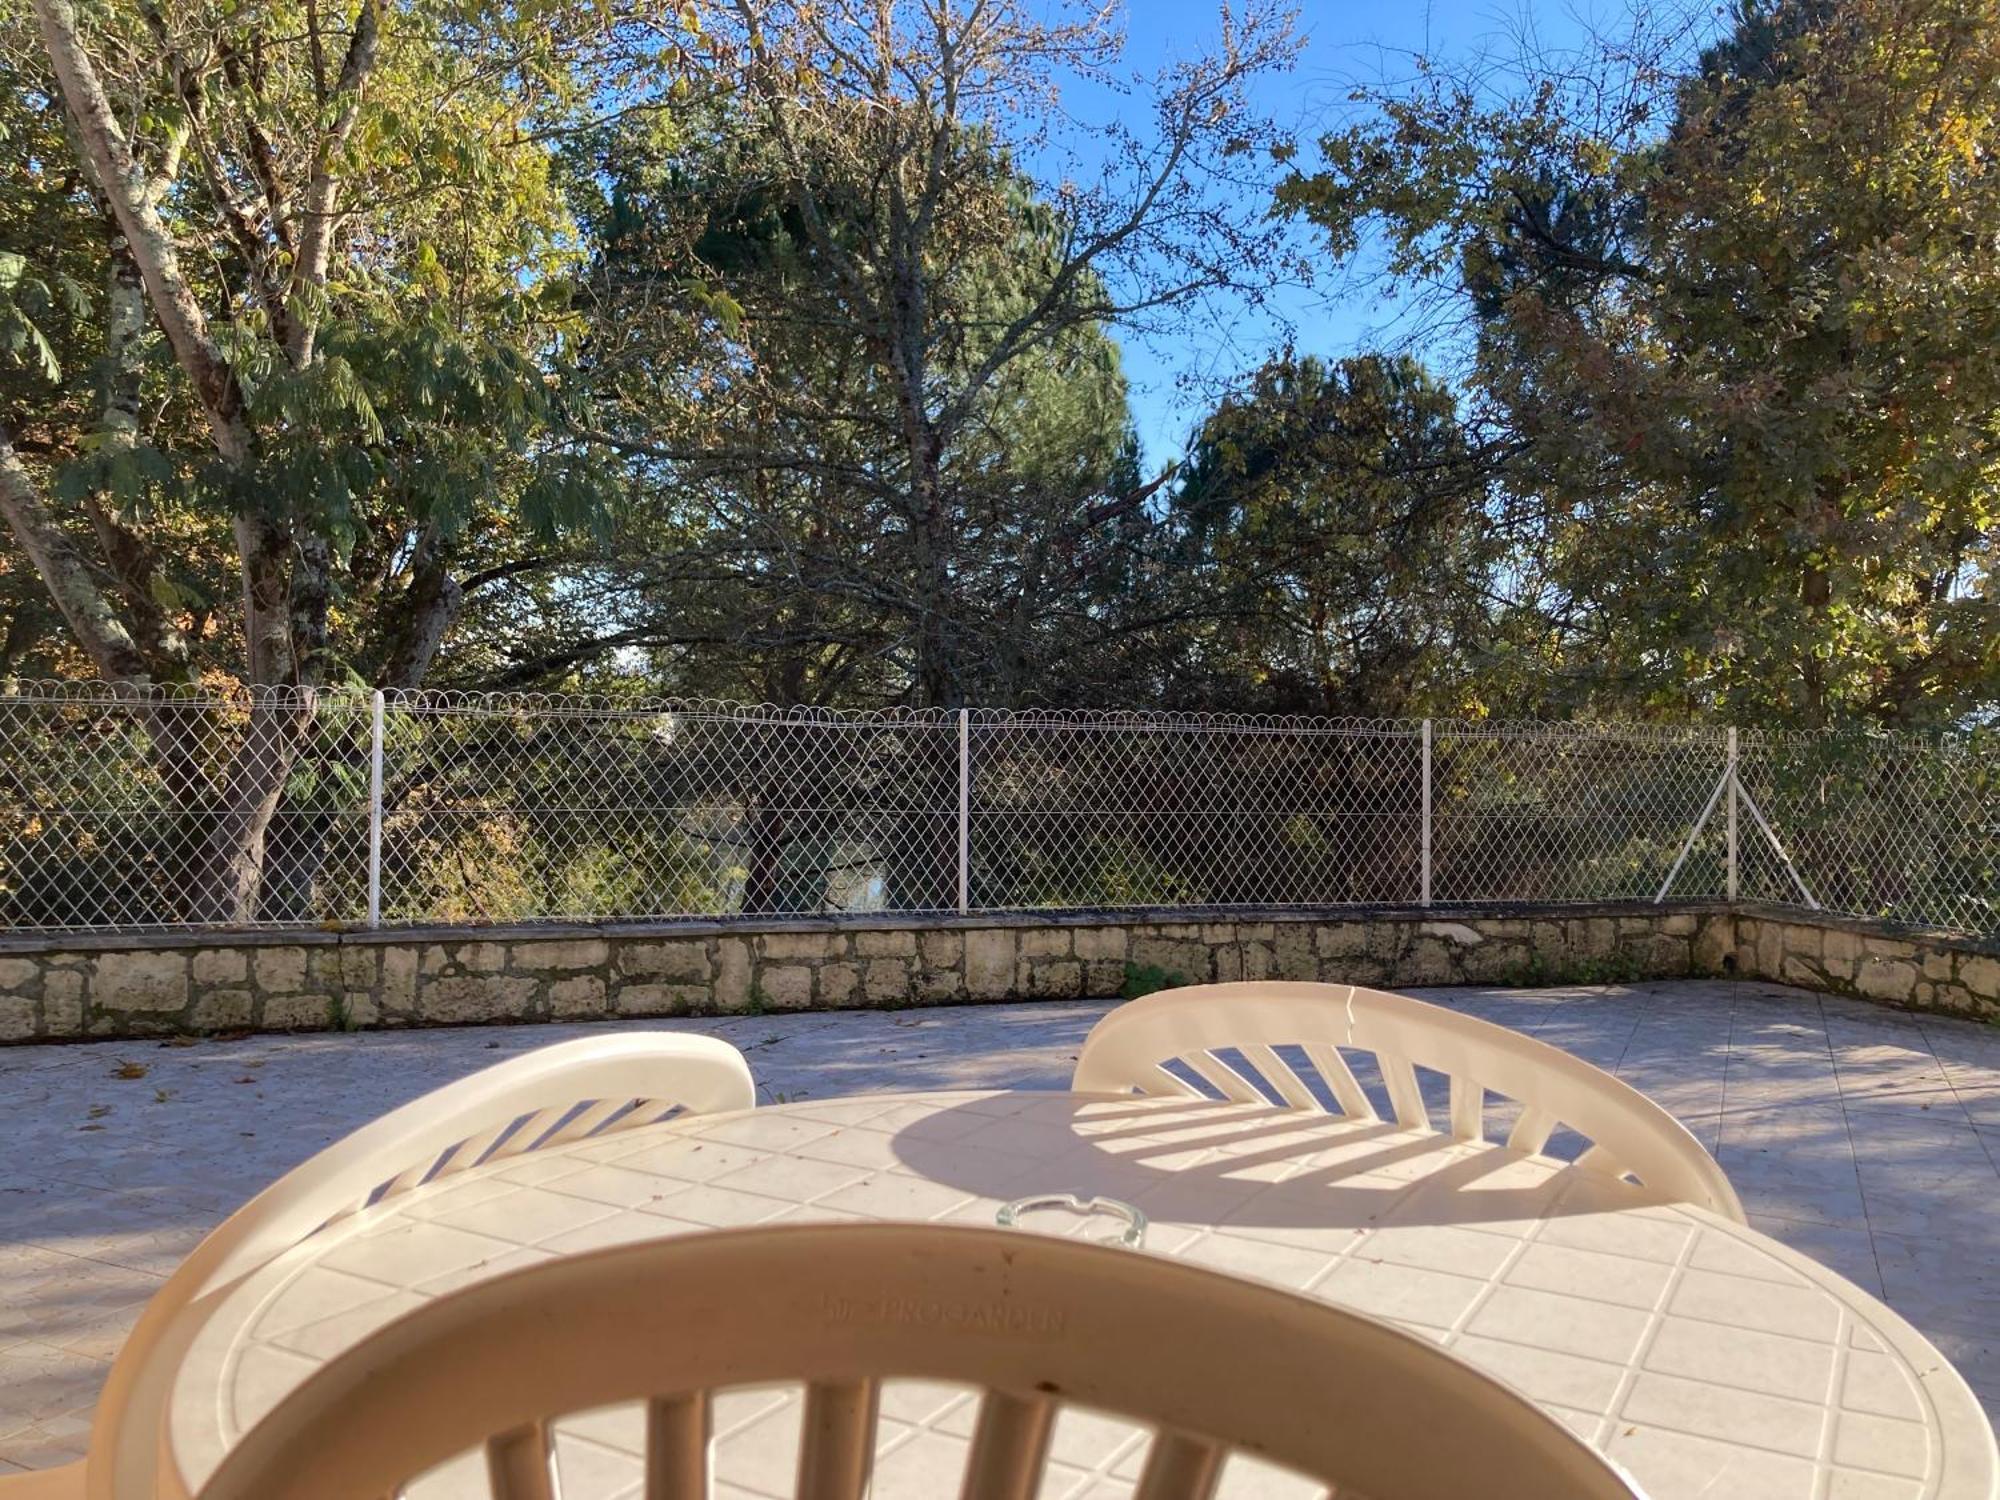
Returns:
<point x="1861" y="1136"/>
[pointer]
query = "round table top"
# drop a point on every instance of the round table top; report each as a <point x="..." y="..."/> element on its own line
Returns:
<point x="1706" y="1358"/>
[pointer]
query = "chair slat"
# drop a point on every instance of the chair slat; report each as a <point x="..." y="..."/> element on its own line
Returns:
<point x="1291" y="1088"/>
<point x="1532" y="1130"/>
<point x="1179" y="1467"/>
<point x="1009" y="1448"/>
<point x="649" y="1112"/>
<point x="517" y="1464"/>
<point x="1354" y="1100"/>
<point x="532" y="1129"/>
<point x="1234" y="1086"/>
<point x="677" y="1429"/>
<point x="470" y="1151"/>
<point x="583" y="1122"/>
<point x="837" y="1440"/>
<point x="1160" y="1083"/>
<point x="1405" y="1097"/>
<point x="1468" y="1108"/>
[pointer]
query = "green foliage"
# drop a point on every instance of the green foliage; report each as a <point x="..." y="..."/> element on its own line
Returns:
<point x="1145" y="979"/>
<point x="1738" y="320"/>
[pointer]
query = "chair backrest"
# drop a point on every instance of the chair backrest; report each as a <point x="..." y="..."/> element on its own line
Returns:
<point x="1148" y="1045"/>
<point x="1213" y="1363"/>
<point x="595" y="1085"/>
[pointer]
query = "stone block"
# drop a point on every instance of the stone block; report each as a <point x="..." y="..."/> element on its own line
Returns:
<point x="1798" y="969"/>
<point x="1340" y="939"/>
<point x="569" y="954"/>
<point x="399" y="978"/>
<point x="461" y="999"/>
<point x="1679" y="924"/>
<point x="359" y="972"/>
<point x="298" y="1013"/>
<point x="436" y="958"/>
<point x="578" y="995"/>
<point x="17" y="1018"/>
<point x="1429" y="960"/>
<point x="683" y="959"/>
<point x="1098" y="943"/>
<point x="785" y="986"/>
<point x="1980" y="975"/>
<point x="483" y="958"/>
<point x="1258" y="960"/>
<point x="1228" y="964"/>
<point x="1045" y="942"/>
<point x="146" y="981"/>
<point x="885" y="944"/>
<point x="1961" y="1001"/>
<point x="661" y="999"/>
<point x="1457" y="933"/>
<point x="1056" y="979"/>
<point x="1181" y="960"/>
<point x="805" y="945"/>
<point x="224" y="1010"/>
<point x="733" y="966"/>
<point x="945" y="984"/>
<point x="1714" y="945"/>
<point x="279" y="971"/>
<point x="1103" y="978"/>
<point x="17" y="974"/>
<point x="1887" y="979"/>
<point x="1292" y="953"/>
<point x="886" y="981"/>
<point x="1840" y="946"/>
<point x="62" y="1002"/>
<point x="941" y="950"/>
<point x="838" y="983"/>
<point x="989" y="963"/>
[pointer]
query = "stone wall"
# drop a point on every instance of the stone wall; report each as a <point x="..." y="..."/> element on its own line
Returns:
<point x="57" y="988"/>
<point x="63" y="988"/>
<point x="1903" y="967"/>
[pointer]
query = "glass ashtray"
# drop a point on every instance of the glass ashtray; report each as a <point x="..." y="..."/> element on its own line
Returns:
<point x="1106" y="1221"/>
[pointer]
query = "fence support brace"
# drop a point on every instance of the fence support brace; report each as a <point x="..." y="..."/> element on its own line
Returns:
<point x="1729" y="825"/>
<point x="1424" y="837"/>
<point x="375" y="810"/>
<point x="964" y="811"/>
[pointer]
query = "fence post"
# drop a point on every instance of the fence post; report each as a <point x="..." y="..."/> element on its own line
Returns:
<point x="375" y="811"/>
<point x="1424" y="837"/>
<point x="1729" y="822"/>
<point x="964" y="810"/>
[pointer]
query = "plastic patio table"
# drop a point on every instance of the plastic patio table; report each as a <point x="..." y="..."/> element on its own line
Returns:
<point x="1705" y="1357"/>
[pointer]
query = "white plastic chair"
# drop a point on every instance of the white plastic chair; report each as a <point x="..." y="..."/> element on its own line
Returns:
<point x="1214" y="1364"/>
<point x="1631" y="1136"/>
<point x="558" y="1093"/>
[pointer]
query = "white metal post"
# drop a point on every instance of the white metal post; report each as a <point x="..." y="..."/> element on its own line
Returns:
<point x="1425" y="836"/>
<point x="375" y="813"/>
<point x="1729" y="820"/>
<point x="964" y="810"/>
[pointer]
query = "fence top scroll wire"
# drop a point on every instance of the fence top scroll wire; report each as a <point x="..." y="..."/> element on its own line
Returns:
<point x="220" y="805"/>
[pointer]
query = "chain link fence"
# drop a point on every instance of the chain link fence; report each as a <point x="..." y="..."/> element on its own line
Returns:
<point x="121" y="809"/>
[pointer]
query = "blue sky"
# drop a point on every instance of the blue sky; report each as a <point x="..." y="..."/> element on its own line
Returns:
<point x="1344" y="43"/>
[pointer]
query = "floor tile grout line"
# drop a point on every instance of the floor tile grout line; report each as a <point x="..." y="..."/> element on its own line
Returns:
<point x="1847" y="1124"/>
<point x="1951" y="1082"/>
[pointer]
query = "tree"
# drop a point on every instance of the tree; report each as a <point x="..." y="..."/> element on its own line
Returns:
<point x="962" y="275"/>
<point x="1337" y="518"/>
<point x="1739" y="311"/>
<point x="341" y="225"/>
